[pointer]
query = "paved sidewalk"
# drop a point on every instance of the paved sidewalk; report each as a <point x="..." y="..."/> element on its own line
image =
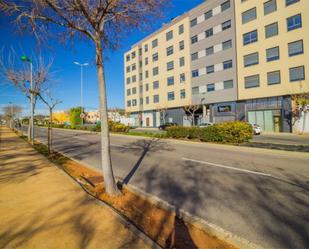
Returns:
<point x="41" y="207"/>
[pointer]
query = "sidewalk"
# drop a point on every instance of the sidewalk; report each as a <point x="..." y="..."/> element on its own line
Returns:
<point x="41" y="207"/>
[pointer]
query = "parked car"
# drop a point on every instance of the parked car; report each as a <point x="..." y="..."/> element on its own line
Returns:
<point x="257" y="130"/>
<point x="166" y="125"/>
<point x="203" y="125"/>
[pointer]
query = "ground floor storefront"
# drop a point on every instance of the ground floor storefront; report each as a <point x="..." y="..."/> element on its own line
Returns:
<point x="272" y="114"/>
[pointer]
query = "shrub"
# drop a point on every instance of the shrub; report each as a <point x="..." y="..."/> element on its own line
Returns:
<point x="58" y="125"/>
<point x="229" y="132"/>
<point x="117" y="127"/>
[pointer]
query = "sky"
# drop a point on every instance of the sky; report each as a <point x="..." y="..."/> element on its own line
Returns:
<point x="66" y="75"/>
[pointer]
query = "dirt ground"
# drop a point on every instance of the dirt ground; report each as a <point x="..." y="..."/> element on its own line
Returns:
<point x="41" y="207"/>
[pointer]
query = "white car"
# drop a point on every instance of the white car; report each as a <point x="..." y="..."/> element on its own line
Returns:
<point x="257" y="130"/>
<point x="203" y="125"/>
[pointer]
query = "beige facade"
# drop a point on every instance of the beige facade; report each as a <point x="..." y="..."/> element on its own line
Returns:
<point x="265" y="16"/>
<point x="149" y="84"/>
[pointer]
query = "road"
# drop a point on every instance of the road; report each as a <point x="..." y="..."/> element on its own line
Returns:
<point x="260" y="195"/>
<point x="282" y="138"/>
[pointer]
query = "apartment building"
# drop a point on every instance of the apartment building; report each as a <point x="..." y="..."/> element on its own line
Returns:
<point x="213" y="60"/>
<point x="157" y="75"/>
<point x="235" y="59"/>
<point x="272" y="37"/>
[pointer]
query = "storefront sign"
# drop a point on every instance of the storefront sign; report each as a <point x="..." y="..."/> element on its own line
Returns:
<point x="224" y="108"/>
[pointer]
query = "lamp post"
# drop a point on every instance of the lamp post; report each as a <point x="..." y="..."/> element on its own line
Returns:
<point x="27" y="59"/>
<point x="81" y="88"/>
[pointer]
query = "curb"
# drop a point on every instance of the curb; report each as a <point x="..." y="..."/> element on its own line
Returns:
<point x="200" y="223"/>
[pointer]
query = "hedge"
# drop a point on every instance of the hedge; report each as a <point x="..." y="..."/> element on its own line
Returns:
<point x="228" y="132"/>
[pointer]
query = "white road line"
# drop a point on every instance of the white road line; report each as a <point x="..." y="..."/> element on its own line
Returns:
<point x="226" y="167"/>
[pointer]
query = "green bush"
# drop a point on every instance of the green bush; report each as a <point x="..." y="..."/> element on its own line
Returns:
<point x="58" y="125"/>
<point x="228" y="132"/>
<point x="118" y="127"/>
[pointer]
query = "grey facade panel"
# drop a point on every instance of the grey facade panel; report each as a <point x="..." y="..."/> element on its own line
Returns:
<point x="216" y="58"/>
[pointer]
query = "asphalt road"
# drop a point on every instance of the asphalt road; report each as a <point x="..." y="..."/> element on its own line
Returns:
<point x="282" y="138"/>
<point x="260" y="195"/>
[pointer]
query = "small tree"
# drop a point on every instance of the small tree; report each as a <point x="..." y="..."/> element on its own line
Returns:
<point x="100" y="22"/>
<point x="300" y="108"/>
<point x="75" y="118"/>
<point x="10" y="112"/>
<point x="51" y="103"/>
<point x="19" y="76"/>
<point x="191" y="110"/>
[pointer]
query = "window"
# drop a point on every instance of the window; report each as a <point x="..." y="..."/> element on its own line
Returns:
<point x="134" y="78"/>
<point x="140" y="64"/>
<point x="140" y="51"/>
<point x="195" y="90"/>
<point x="251" y="59"/>
<point x="226" y="5"/>
<point x="146" y="48"/>
<point x="210" y="69"/>
<point x="155" y="57"/>
<point x="170" y="81"/>
<point x="141" y="101"/>
<point x="147" y="100"/>
<point x="170" y="66"/>
<point x="181" y="61"/>
<point x="169" y="50"/>
<point x="133" y="55"/>
<point x="169" y="35"/>
<point x="134" y="90"/>
<point x="146" y="61"/>
<point x="297" y="73"/>
<point x="227" y="64"/>
<point x="273" y="78"/>
<point x="209" y="51"/>
<point x="155" y="98"/>
<point x="155" y="85"/>
<point x="252" y="81"/>
<point x="170" y="96"/>
<point x="210" y="87"/>
<point x="146" y="74"/>
<point x="128" y="69"/>
<point x="270" y="7"/>
<point x="248" y="15"/>
<point x="271" y="30"/>
<point x="294" y="22"/>
<point x="272" y="54"/>
<point x="193" y="22"/>
<point x="250" y="37"/>
<point x="141" y="89"/>
<point x="182" y="94"/>
<point x="128" y="92"/>
<point x="128" y="80"/>
<point x="128" y="103"/>
<point x="226" y="25"/>
<point x="155" y="71"/>
<point x="195" y="73"/>
<point x="209" y="32"/>
<point x="181" y="45"/>
<point x="227" y="44"/>
<point x="180" y="29"/>
<point x="147" y="87"/>
<point x="194" y="39"/>
<point x="296" y="48"/>
<point x="154" y="43"/>
<point x="228" y="84"/>
<point x="141" y="76"/>
<point x="133" y="67"/>
<point x="208" y="14"/>
<point x="128" y="57"/>
<point x="134" y="102"/>
<point x="182" y="78"/>
<point x="289" y="2"/>
<point x="194" y="56"/>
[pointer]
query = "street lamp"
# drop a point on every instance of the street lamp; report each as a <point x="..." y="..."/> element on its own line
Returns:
<point x="81" y="87"/>
<point x="27" y="59"/>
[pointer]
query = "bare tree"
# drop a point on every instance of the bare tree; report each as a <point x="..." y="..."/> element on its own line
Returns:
<point x="51" y="103"/>
<point x="163" y="114"/>
<point x="10" y="112"/>
<point x="100" y="22"/>
<point x="191" y="109"/>
<point x="19" y="76"/>
<point x="300" y="108"/>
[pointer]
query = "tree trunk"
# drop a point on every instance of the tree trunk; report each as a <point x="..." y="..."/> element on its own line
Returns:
<point x="49" y="131"/>
<point x="29" y="126"/>
<point x="109" y="180"/>
<point x="304" y="120"/>
<point x="51" y="128"/>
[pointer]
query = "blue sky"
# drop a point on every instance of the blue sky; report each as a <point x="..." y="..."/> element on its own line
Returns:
<point x="67" y="75"/>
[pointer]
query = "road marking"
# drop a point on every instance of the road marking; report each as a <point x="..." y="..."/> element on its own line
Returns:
<point x="226" y="167"/>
